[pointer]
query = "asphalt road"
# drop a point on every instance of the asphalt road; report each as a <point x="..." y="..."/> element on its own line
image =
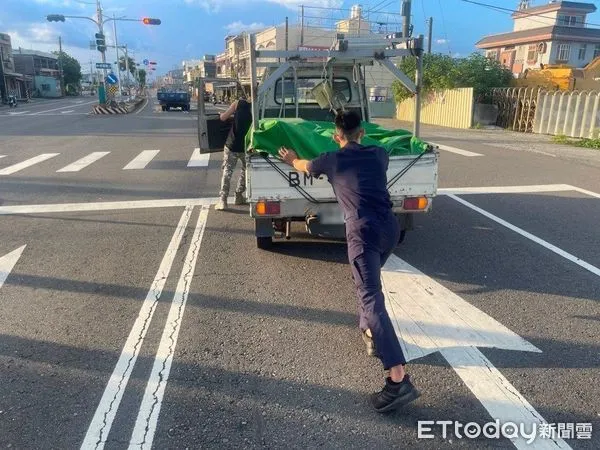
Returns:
<point x="128" y="318"/>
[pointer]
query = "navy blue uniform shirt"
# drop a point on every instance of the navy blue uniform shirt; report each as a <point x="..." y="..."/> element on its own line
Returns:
<point x="358" y="175"/>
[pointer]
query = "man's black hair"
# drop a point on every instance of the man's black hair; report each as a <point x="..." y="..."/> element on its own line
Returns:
<point x="348" y="122"/>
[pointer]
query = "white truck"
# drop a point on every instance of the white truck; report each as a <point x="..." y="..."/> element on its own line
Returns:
<point x="278" y="195"/>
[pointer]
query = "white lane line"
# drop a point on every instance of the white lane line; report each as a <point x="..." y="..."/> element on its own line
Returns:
<point x="63" y="107"/>
<point x="2" y="156"/>
<point x="83" y="162"/>
<point x="499" y="397"/>
<point x="142" y="108"/>
<point x="429" y="318"/>
<point x="17" y="113"/>
<point x="27" y="163"/>
<point x="458" y="151"/>
<point x="145" y="425"/>
<point x="99" y="428"/>
<point x="105" y="206"/>
<point x="141" y="160"/>
<point x="506" y="189"/>
<point x="585" y="191"/>
<point x="574" y="259"/>
<point x="67" y="112"/>
<point x="199" y="159"/>
<point x="7" y="263"/>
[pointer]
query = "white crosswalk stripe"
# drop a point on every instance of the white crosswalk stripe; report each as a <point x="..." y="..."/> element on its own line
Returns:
<point x="141" y="160"/>
<point x="27" y="163"/>
<point x="83" y="162"/>
<point x="199" y="159"/>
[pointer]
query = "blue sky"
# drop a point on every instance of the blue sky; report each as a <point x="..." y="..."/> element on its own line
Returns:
<point x="192" y="28"/>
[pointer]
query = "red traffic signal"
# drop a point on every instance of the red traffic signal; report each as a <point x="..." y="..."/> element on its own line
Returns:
<point x="150" y="21"/>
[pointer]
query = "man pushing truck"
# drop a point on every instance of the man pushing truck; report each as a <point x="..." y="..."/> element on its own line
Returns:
<point x="358" y="177"/>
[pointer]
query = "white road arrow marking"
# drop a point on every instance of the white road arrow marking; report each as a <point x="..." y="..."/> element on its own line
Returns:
<point x="7" y="262"/>
<point x="67" y="112"/>
<point x="429" y="318"/>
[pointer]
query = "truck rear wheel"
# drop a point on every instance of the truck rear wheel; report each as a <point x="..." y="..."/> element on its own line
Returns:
<point x="264" y="243"/>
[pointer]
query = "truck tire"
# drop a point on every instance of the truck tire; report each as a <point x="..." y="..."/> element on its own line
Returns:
<point x="163" y="107"/>
<point x="264" y="243"/>
<point x="168" y="108"/>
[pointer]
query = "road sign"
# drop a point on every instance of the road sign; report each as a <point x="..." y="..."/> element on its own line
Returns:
<point x="146" y="62"/>
<point x="111" y="78"/>
<point x="103" y="66"/>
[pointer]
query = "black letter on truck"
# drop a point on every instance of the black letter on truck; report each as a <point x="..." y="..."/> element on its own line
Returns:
<point x="308" y="178"/>
<point x="294" y="179"/>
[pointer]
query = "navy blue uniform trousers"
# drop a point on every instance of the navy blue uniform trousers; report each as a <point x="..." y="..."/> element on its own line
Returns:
<point x="371" y="240"/>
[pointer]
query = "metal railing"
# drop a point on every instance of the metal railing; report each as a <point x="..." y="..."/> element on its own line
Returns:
<point x="569" y="113"/>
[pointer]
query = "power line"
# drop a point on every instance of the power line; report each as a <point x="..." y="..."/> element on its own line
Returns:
<point x="512" y="11"/>
<point x="444" y="26"/>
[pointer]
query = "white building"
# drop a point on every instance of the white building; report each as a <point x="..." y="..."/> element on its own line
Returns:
<point x="553" y="33"/>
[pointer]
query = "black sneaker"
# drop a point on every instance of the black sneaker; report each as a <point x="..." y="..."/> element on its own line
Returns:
<point x="394" y="395"/>
<point x="371" y="350"/>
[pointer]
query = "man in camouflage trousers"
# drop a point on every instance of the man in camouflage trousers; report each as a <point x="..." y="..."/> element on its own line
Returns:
<point x="235" y="150"/>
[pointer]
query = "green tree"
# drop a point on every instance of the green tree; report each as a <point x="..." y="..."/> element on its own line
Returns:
<point x="444" y="72"/>
<point x="71" y="70"/>
<point x="142" y="77"/>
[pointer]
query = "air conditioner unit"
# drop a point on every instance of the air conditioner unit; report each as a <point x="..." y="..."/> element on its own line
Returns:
<point x="542" y="47"/>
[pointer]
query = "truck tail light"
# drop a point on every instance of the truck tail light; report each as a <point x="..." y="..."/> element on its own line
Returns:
<point x="265" y="208"/>
<point x="415" y="203"/>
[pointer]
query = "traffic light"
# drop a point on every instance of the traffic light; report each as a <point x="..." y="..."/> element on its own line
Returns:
<point x="100" y="42"/>
<point x="55" y="18"/>
<point x="152" y="63"/>
<point x="150" y="21"/>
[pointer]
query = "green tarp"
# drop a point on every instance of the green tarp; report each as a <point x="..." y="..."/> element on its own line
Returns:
<point x="311" y="138"/>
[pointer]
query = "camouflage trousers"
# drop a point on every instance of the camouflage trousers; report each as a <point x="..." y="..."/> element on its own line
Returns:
<point x="230" y="160"/>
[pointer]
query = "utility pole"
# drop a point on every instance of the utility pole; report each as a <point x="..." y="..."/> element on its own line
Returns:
<point x="117" y="51"/>
<point x="302" y="26"/>
<point x="405" y="18"/>
<point x="127" y="66"/>
<point x="60" y="66"/>
<point x="101" y="31"/>
<point x="3" y="89"/>
<point x="429" y="34"/>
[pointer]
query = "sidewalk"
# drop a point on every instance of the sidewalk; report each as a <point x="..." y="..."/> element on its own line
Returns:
<point x="499" y="138"/>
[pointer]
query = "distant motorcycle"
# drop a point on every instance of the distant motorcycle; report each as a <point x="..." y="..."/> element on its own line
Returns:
<point x="12" y="101"/>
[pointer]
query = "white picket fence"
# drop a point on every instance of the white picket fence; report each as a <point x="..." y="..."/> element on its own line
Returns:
<point x="573" y="113"/>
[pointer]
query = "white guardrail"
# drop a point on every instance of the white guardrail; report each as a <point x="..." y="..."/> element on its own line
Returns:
<point x="569" y="113"/>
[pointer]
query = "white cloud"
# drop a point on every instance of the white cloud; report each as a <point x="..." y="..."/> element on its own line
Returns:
<point x="42" y="33"/>
<point x="238" y="27"/>
<point x="442" y="41"/>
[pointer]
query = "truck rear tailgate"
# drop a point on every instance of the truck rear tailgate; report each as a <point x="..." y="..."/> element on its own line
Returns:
<point x="278" y="181"/>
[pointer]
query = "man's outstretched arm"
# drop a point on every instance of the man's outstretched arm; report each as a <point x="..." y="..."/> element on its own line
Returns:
<point x="290" y="157"/>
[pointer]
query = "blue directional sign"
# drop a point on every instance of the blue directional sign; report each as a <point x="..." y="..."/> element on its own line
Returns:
<point x="111" y="78"/>
<point x="146" y="62"/>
